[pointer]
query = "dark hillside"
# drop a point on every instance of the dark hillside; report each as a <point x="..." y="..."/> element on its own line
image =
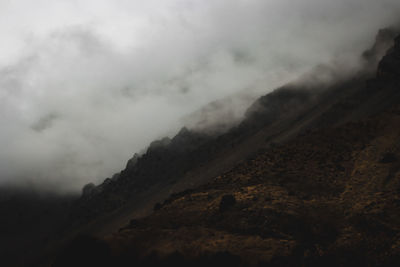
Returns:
<point x="193" y="158"/>
<point x="309" y="178"/>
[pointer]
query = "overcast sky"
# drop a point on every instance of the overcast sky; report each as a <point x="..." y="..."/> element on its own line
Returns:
<point x="84" y="84"/>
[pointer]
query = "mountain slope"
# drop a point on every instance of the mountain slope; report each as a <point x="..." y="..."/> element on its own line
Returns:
<point x="311" y="177"/>
<point x="193" y="158"/>
<point x="315" y="200"/>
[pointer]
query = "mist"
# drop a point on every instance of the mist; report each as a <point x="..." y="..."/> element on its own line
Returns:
<point x="86" y="84"/>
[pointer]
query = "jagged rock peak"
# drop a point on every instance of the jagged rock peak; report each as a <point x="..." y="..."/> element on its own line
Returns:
<point x="183" y="131"/>
<point x="159" y="143"/>
<point x="383" y="42"/>
<point x="88" y="190"/>
<point x="132" y="162"/>
<point x="390" y="64"/>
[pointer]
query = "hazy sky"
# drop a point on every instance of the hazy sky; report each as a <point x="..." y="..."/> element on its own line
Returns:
<point x="86" y="84"/>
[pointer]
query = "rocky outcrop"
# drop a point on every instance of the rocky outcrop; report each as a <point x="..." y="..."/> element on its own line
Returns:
<point x="165" y="161"/>
<point x="390" y="65"/>
<point x="383" y="42"/>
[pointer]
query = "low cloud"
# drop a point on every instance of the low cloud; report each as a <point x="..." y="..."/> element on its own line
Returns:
<point x="81" y="96"/>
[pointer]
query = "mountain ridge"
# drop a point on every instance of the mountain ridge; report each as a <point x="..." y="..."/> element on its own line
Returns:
<point x="277" y="110"/>
<point x="236" y="196"/>
<point x="319" y="186"/>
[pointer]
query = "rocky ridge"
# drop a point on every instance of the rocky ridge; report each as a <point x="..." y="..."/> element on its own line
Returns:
<point x="322" y="191"/>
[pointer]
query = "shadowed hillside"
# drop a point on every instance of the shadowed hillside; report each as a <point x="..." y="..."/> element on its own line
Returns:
<point x="193" y="158"/>
<point x="309" y="178"/>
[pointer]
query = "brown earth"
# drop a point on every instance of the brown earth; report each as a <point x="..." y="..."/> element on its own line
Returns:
<point x="329" y="197"/>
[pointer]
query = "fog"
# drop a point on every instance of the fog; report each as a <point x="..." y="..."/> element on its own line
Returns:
<point x="86" y="84"/>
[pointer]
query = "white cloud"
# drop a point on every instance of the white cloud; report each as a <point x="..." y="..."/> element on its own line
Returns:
<point x="85" y="84"/>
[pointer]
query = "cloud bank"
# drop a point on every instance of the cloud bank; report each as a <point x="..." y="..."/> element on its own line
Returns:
<point x="86" y="84"/>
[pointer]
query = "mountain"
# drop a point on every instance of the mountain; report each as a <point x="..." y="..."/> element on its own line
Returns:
<point x="193" y="157"/>
<point x="309" y="177"/>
